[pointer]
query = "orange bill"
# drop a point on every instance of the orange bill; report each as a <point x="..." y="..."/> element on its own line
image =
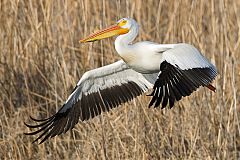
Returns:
<point x="105" y="33"/>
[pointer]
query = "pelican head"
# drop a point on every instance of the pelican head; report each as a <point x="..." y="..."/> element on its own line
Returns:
<point x="121" y="27"/>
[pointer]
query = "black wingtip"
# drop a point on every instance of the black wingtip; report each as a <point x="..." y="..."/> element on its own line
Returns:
<point x="175" y="83"/>
<point x="43" y="124"/>
<point x="39" y="120"/>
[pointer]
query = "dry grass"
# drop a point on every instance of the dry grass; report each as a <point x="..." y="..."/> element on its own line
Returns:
<point x="41" y="61"/>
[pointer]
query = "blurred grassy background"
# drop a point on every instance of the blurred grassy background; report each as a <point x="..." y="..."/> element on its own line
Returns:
<point x="41" y="61"/>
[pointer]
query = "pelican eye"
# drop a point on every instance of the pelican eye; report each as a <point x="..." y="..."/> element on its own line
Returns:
<point x="122" y="23"/>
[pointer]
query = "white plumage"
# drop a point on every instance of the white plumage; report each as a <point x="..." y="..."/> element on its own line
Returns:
<point x="186" y="57"/>
<point x="172" y="70"/>
<point x="106" y="77"/>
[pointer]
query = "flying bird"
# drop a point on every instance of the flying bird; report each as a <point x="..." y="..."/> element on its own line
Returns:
<point x="171" y="71"/>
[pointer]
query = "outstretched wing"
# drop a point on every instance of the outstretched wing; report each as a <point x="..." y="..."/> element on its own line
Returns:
<point x="182" y="71"/>
<point x="97" y="91"/>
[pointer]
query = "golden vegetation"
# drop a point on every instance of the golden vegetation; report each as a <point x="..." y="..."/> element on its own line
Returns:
<point x="41" y="61"/>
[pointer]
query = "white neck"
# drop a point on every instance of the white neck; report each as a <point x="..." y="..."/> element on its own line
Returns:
<point x="123" y="42"/>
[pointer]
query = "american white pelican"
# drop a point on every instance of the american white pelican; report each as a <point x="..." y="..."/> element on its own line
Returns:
<point x="172" y="70"/>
